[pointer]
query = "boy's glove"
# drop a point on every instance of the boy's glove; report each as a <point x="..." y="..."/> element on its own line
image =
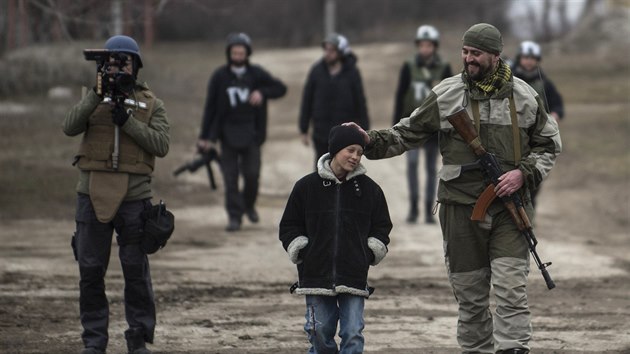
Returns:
<point x="295" y="247"/>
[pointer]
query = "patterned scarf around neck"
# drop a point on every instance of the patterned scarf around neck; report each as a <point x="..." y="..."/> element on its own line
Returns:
<point x="492" y="83"/>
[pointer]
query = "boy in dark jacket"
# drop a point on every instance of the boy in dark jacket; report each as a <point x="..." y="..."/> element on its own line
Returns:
<point x="335" y="225"/>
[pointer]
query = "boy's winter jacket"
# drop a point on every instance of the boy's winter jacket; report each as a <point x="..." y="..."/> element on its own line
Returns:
<point x="335" y="230"/>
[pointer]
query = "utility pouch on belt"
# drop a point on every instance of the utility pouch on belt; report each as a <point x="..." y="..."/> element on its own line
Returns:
<point x="159" y="224"/>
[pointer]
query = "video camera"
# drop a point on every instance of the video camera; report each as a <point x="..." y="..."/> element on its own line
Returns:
<point x="116" y="85"/>
<point x="204" y="158"/>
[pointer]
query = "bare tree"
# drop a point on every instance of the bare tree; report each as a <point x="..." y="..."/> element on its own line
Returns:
<point x="546" y="34"/>
<point x="563" y="18"/>
<point x="11" y="24"/>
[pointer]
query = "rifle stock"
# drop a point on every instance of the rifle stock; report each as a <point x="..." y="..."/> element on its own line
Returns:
<point x="462" y="124"/>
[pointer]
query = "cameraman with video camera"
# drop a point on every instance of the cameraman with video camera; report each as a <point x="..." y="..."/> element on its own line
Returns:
<point x="124" y="128"/>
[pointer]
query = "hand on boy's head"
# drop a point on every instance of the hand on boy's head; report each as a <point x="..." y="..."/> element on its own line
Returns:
<point x="355" y="125"/>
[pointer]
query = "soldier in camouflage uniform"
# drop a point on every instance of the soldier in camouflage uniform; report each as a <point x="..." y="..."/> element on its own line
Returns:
<point x="113" y="199"/>
<point x="513" y="124"/>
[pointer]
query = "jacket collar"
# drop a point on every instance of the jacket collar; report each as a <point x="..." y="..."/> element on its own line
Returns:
<point x="325" y="171"/>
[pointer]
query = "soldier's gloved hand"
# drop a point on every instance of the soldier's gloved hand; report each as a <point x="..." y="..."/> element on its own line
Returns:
<point x="120" y="115"/>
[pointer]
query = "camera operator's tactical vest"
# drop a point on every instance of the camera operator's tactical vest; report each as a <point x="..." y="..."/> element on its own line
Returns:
<point x="423" y="78"/>
<point x="95" y="152"/>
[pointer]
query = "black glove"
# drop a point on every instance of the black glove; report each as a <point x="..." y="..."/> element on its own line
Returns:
<point x="120" y="115"/>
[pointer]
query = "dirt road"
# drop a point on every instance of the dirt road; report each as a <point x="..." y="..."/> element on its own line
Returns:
<point x="228" y="293"/>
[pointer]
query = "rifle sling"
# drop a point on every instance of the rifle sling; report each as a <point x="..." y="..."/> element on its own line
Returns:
<point x="515" y="130"/>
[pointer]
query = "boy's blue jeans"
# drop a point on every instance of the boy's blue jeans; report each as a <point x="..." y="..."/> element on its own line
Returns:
<point x="322" y="314"/>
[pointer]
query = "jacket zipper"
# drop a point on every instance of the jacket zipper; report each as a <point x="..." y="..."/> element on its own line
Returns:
<point x="336" y="238"/>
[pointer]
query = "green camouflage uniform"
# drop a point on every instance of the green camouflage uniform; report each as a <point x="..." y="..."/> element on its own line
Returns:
<point x="493" y="252"/>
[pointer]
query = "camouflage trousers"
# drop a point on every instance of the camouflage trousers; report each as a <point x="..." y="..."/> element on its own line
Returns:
<point x="478" y="256"/>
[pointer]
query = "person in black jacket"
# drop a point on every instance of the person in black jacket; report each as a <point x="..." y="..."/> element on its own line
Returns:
<point x="236" y="114"/>
<point x="335" y="225"/>
<point x="333" y="92"/>
<point x="527" y="67"/>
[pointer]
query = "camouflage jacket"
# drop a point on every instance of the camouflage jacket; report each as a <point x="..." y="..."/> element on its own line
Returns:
<point x="539" y="136"/>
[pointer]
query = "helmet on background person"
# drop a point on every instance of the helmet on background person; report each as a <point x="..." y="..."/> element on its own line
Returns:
<point x="239" y="38"/>
<point x="529" y="49"/>
<point x="338" y="41"/>
<point x="125" y="44"/>
<point x="428" y="33"/>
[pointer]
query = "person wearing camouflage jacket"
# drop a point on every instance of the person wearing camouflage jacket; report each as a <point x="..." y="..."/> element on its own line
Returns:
<point x="512" y="123"/>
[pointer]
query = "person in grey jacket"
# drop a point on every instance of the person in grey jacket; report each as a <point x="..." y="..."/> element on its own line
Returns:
<point x="335" y="225"/>
<point x="113" y="192"/>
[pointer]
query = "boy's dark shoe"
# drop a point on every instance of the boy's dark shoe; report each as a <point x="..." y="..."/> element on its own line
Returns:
<point x="252" y="215"/>
<point x="514" y="351"/>
<point x="92" y="350"/>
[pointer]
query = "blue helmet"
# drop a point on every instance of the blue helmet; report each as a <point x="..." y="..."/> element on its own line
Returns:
<point x="124" y="44"/>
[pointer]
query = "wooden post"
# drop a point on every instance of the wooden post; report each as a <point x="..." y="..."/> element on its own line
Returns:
<point x="149" y="30"/>
<point x="11" y="25"/>
<point x="330" y="14"/>
<point x="23" y="23"/>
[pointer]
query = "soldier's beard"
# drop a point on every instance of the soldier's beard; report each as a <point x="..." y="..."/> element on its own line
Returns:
<point x="479" y="74"/>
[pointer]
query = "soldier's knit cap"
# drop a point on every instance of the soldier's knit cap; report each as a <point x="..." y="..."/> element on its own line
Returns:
<point x="341" y="136"/>
<point x="484" y="36"/>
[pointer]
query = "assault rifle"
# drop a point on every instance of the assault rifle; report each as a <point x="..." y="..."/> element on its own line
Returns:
<point x="204" y="158"/>
<point x="492" y="171"/>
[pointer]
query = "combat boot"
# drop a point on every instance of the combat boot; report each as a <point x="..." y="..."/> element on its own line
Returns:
<point x="412" y="218"/>
<point x="233" y="225"/>
<point x="135" y="341"/>
<point x="252" y="215"/>
<point x="92" y="350"/>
